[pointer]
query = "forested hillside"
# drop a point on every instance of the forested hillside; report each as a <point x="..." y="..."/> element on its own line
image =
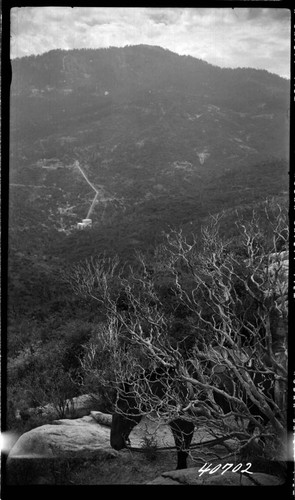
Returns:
<point x="166" y="141"/>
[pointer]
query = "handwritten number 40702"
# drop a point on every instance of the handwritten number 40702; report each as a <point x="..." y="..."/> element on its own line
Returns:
<point x="225" y="468"/>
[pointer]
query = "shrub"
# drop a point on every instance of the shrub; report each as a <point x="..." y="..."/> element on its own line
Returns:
<point x="36" y="377"/>
<point x="150" y="447"/>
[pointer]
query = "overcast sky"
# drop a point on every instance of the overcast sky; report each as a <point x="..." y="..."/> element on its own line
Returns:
<point x="244" y="37"/>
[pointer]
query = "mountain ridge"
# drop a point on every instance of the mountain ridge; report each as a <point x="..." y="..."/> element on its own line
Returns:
<point x="154" y="48"/>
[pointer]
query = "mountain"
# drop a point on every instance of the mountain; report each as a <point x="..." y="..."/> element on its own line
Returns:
<point x="151" y="138"/>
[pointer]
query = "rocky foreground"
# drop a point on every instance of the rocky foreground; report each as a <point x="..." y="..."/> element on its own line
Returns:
<point x="77" y="451"/>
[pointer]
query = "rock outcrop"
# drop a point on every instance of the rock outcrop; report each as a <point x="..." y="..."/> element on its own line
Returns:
<point x="77" y="407"/>
<point x="31" y="458"/>
<point x="102" y="418"/>
<point x="64" y="437"/>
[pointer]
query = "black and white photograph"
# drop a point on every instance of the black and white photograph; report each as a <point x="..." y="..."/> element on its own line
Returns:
<point x="148" y="247"/>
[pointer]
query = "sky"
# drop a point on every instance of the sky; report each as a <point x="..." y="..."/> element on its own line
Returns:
<point x="239" y="37"/>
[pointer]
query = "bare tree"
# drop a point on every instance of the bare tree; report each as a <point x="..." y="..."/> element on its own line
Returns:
<point x="238" y="310"/>
<point x="249" y="342"/>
